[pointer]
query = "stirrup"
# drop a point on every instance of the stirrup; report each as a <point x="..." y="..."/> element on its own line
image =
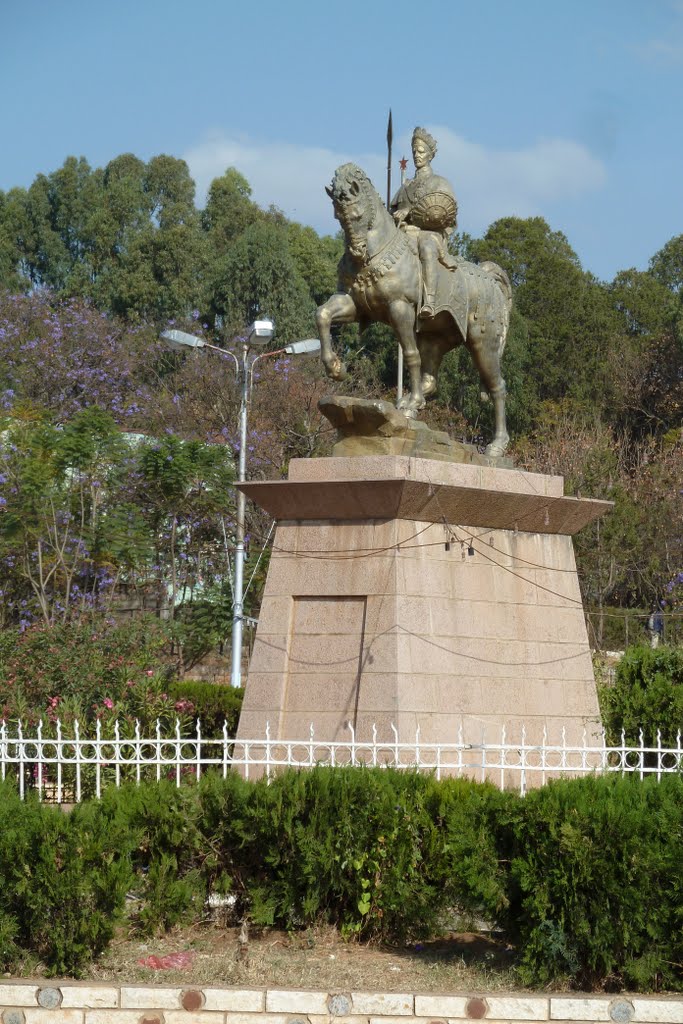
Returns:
<point x="427" y="311"/>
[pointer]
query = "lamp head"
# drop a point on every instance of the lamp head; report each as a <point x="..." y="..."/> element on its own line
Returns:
<point x="260" y="332"/>
<point x="307" y="347"/>
<point x="180" y="340"/>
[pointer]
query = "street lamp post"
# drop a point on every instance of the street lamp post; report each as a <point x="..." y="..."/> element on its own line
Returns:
<point x="259" y="333"/>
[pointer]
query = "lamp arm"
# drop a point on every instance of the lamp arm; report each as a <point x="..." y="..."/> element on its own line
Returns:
<point x="263" y="355"/>
<point x="224" y="352"/>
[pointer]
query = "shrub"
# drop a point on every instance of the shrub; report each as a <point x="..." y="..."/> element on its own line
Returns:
<point x="584" y="876"/>
<point x="473" y="839"/>
<point x="596" y="883"/>
<point x="364" y="849"/>
<point x="166" y="850"/>
<point x="647" y="694"/>
<point x="63" y="881"/>
<point x="212" y="703"/>
<point x="227" y="837"/>
<point x="87" y="660"/>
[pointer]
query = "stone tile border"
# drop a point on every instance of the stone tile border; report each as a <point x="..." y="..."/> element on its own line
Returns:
<point x="72" y="1002"/>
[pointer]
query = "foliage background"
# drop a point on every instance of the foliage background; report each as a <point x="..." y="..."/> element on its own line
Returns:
<point x="116" y="456"/>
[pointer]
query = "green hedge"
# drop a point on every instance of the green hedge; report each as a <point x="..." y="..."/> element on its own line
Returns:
<point x="647" y="694"/>
<point x="212" y="703"/>
<point x="584" y="877"/>
<point x="596" y="883"/>
<point x="63" y="881"/>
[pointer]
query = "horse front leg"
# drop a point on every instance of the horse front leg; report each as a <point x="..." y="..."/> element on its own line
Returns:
<point x="402" y="319"/>
<point x="339" y="309"/>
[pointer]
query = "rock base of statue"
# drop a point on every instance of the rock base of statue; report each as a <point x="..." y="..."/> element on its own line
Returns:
<point x="418" y="593"/>
<point x="374" y="427"/>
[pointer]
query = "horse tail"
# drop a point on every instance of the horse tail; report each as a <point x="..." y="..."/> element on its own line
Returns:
<point x="503" y="282"/>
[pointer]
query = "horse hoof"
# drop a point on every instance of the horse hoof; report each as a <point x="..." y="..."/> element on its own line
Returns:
<point x="496" y="449"/>
<point x="336" y="370"/>
<point x="428" y="384"/>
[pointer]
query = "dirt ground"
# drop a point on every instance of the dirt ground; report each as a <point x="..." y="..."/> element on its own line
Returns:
<point x="313" y="959"/>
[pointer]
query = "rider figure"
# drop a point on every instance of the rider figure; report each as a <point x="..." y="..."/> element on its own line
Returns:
<point x="426" y="206"/>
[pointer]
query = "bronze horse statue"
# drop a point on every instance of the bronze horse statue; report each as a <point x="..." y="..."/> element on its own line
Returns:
<point x="380" y="279"/>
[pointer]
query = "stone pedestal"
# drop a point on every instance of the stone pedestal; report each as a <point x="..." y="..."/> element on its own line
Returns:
<point x="420" y="593"/>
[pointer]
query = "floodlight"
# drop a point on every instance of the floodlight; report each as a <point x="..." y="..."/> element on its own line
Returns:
<point x="260" y="332"/>
<point x="180" y="340"/>
<point x="303" y="348"/>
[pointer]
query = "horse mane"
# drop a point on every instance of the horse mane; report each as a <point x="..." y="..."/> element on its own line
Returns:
<point x="347" y="175"/>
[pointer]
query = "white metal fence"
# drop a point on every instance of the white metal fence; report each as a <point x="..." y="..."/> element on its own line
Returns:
<point x="64" y="766"/>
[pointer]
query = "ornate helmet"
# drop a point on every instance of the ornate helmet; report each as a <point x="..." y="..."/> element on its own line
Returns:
<point x="430" y="142"/>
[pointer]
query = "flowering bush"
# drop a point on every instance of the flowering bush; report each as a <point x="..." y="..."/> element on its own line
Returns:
<point x="86" y="670"/>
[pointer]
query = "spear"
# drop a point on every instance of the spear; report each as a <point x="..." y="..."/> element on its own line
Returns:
<point x="390" y="139"/>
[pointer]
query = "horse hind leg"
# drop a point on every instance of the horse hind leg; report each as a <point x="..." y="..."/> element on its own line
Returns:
<point x="432" y="348"/>
<point x="402" y="319"/>
<point x="486" y="352"/>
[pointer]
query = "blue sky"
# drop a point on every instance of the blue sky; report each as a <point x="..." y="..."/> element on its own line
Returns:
<point x="571" y="111"/>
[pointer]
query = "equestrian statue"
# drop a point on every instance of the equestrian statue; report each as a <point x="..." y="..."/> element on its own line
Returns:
<point x="396" y="269"/>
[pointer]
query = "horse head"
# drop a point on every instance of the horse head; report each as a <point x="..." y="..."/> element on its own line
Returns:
<point x="355" y="203"/>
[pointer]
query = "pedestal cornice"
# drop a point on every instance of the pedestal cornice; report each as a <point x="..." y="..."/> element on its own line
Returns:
<point x="343" y="500"/>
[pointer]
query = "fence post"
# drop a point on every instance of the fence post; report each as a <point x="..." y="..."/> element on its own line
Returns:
<point x="77" y="750"/>
<point x="178" y="752"/>
<point x="268" y="751"/>
<point x="503" y="756"/>
<point x="39" y="764"/>
<point x="138" y="751"/>
<point x="20" y="742"/>
<point x="59" y="761"/>
<point x="659" y="755"/>
<point x="117" y="754"/>
<point x="396" y="751"/>
<point x="98" y="755"/>
<point x="157" y="735"/>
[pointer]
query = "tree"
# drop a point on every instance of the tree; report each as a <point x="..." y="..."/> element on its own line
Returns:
<point x="58" y="545"/>
<point x="160" y="273"/>
<point x="258" y="276"/>
<point x="571" y="326"/>
<point x="184" y="489"/>
<point x="229" y="210"/>
<point x="63" y="356"/>
<point x="15" y="230"/>
<point x="648" y="377"/>
<point x="316" y="259"/>
<point x="85" y="508"/>
<point x="667" y="265"/>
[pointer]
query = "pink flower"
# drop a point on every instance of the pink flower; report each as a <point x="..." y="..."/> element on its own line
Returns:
<point x="108" y="703"/>
<point x="130" y="683"/>
<point x="150" y="672"/>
